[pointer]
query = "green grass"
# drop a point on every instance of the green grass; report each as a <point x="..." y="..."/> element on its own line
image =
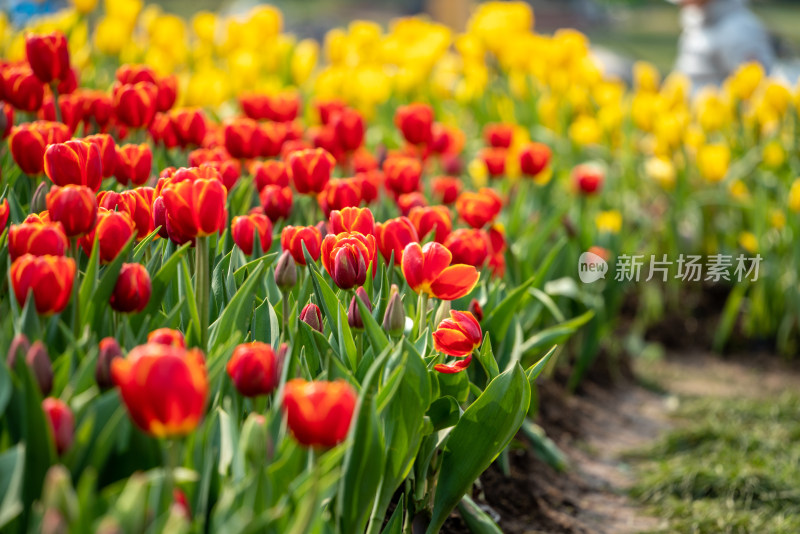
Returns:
<point x="732" y="467"/>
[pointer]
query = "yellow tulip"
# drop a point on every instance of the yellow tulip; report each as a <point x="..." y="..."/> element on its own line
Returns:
<point x="662" y="171"/>
<point x="111" y="35"/>
<point x="744" y="82"/>
<point x="585" y="130"/>
<point x="204" y="26"/>
<point x="749" y="242"/>
<point x="777" y="219"/>
<point x="773" y="154"/>
<point x="646" y="77"/>
<point x="713" y="161"/>
<point x="608" y="222"/>
<point x="84" y="6"/>
<point x="304" y="59"/>
<point x="124" y="10"/>
<point x="794" y="196"/>
<point x="739" y="190"/>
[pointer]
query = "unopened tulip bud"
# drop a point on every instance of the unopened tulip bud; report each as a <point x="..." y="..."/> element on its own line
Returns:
<point x="18" y="349"/>
<point x="39" y="362"/>
<point x="475" y="309"/>
<point x="62" y="423"/>
<point x="109" y="349"/>
<point x="443" y="312"/>
<point x="39" y="199"/>
<point x="394" y="320"/>
<point x="354" y="318"/>
<point x="286" y="271"/>
<point x="312" y="316"/>
<point x="283" y="350"/>
<point x="255" y="441"/>
<point x="53" y="522"/>
<point x="59" y="495"/>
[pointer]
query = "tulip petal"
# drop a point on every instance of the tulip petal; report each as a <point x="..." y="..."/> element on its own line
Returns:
<point x="455" y="282"/>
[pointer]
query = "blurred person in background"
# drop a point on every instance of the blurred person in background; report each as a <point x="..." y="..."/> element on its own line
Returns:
<point x="718" y="36"/>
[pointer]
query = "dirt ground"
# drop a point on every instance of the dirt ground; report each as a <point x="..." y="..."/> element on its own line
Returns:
<point x="595" y="429"/>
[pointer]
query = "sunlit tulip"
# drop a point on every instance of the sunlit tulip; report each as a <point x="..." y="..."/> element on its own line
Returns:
<point x="254" y="369"/>
<point x="457" y="336"/>
<point x="319" y="413"/>
<point x="428" y="269"/>
<point x="132" y="289"/>
<point x="49" y="278"/>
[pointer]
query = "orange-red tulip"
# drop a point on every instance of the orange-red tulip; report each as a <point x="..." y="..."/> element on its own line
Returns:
<point x="108" y="152"/>
<point x="133" y="164"/>
<point x="348" y="127"/>
<point x="340" y="193"/>
<point x="5" y="211"/>
<point x="36" y="237"/>
<point x="254" y="369"/>
<point x="229" y="171"/>
<point x="588" y="178"/>
<point x="457" y="336"/>
<point x="292" y="238"/>
<point x="132" y="290"/>
<point x="61" y="423"/>
<point x="328" y="109"/>
<point x="163" y="387"/>
<point x="499" y="135"/>
<point x="446" y="188"/>
<point x="428" y="269"/>
<point x="48" y="56"/>
<point x="273" y="135"/>
<point x="28" y="142"/>
<point x="113" y="230"/>
<point x="50" y="278"/>
<point x="479" y="208"/>
<point x="137" y="203"/>
<point x="74" y="206"/>
<point x="319" y="413"/>
<point x="74" y="162"/>
<point x="22" y="88"/>
<point x="196" y="207"/>
<point x="243" y="138"/>
<point x="415" y="122"/>
<point x="163" y="131"/>
<point x="434" y="219"/>
<point x="244" y="229"/>
<point x="402" y="174"/>
<point x="347" y="257"/>
<point x="276" y="201"/>
<point x="310" y="169"/>
<point x="6" y="117"/>
<point x="371" y="183"/>
<point x="447" y="139"/>
<point x="393" y="236"/>
<point x="167" y="336"/>
<point x="281" y="107"/>
<point x="495" y="160"/>
<point x="270" y="172"/>
<point x="534" y="158"/>
<point x="408" y="201"/>
<point x="352" y="220"/>
<point x="135" y="104"/>
<point x="469" y="246"/>
<point x="70" y="106"/>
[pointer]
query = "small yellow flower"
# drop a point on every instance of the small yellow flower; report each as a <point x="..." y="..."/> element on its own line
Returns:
<point x="794" y="196"/>
<point x="608" y="222"/>
<point x="662" y="171"/>
<point x="585" y="130"/>
<point x="749" y="242"/>
<point x="111" y="35"/>
<point x="713" y="161"/>
<point x="304" y="59"/>
<point x="777" y="219"/>
<point x="739" y="190"/>
<point x="477" y="171"/>
<point x="84" y="6"/>
<point x="646" y="77"/>
<point x="744" y="82"/>
<point x="773" y="154"/>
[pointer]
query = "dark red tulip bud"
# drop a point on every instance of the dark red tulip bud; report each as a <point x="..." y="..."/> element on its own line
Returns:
<point x="286" y="271"/>
<point x="18" y="349"/>
<point x="109" y="349"/>
<point x="394" y="320"/>
<point x="476" y="310"/>
<point x="354" y="313"/>
<point x="312" y="316"/>
<point x="41" y="366"/>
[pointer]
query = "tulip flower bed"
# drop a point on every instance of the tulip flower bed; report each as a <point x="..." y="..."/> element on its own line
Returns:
<point x="251" y="291"/>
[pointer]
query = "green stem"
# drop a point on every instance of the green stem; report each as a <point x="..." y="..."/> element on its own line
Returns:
<point x="422" y="314"/>
<point x="285" y="312"/>
<point x="171" y="453"/>
<point x="76" y="316"/>
<point x="202" y="287"/>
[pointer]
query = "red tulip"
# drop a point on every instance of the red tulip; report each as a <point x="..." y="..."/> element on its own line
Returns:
<point x="48" y="56"/>
<point x="28" y="142"/>
<point x="402" y="174"/>
<point x="468" y="245"/>
<point x="319" y="413"/>
<point x="254" y="369"/>
<point x="196" y="207"/>
<point x="310" y="169"/>
<point x="108" y="152"/>
<point x="371" y="183"/>
<point x="229" y="171"/>
<point x="4" y="213"/>
<point x="22" y="89"/>
<point x="270" y="172"/>
<point x="132" y="290"/>
<point x="348" y="127"/>
<point x="6" y="117"/>
<point x="457" y="337"/>
<point x="447" y="139"/>
<point x="74" y="206"/>
<point x="292" y="238"/>
<point x="50" y="278"/>
<point x="446" y="188"/>
<point x="352" y="220"/>
<point x="190" y="125"/>
<point x="588" y="178"/>
<point x="70" y="107"/>
<point x="479" y="208"/>
<point x="167" y="336"/>
<point x="415" y="122"/>
<point x="61" y="422"/>
<point x="428" y="270"/>
<point x="340" y="193"/>
<point x="534" y="158"/>
<point x="347" y="257"/>
<point x="163" y="131"/>
<point x="393" y="236"/>
<point x="282" y="107"/>
<point x="135" y="104"/>
<point x="244" y="229"/>
<point x="113" y="230"/>
<point x="37" y="238"/>
<point x="312" y="316"/>
<point x="273" y="135"/>
<point x="434" y="219"/>
<point x="243" y="138"/>
<point x="408" y="201"/>
<point x="167" y="92"/>
<point x="163" y="387"/>
<point x="328" y="109"/>
<point x="499" y="135"/>
<point x="74" y="162"/>
<point x="109" y="349"/>
<point x="495" y="160"/>
<point x="276" y="201"/>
